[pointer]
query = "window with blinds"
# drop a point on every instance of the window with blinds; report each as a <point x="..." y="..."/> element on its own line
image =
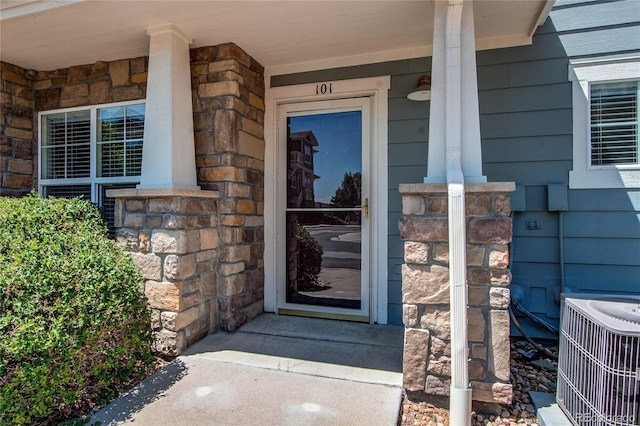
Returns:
<point x="66" y="145"/>
<point x="68" y="191"/>
<point x="614" y="124"/>
<point x="119" y="139"/>
<point x="84" y="151"/>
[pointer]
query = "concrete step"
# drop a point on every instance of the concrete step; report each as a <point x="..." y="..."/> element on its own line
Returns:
<point x="275" y="370"/>
<point x="547" y="410"/>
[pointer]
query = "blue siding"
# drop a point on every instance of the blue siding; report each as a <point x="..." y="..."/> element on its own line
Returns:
<point x="526" y="119"/>
<point x="526" y="126"/>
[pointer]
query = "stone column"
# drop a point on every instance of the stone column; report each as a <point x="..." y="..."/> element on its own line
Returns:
<point x="425" y="289"/>
<point x="228" y="98"/>
<point x="173" y="238"/>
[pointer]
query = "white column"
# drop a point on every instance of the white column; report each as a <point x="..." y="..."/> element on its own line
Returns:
<point x="471" y="142"/>
<point x="436" y="170"/>
<point x="469" y="120"/>
<point x="168" y="155"/>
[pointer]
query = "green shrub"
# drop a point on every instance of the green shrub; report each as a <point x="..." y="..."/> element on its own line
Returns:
<point x="309" y="259"/>
<point x="74" y="324"/>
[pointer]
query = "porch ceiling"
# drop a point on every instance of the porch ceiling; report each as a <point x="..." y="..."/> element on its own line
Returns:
<point x="284" y="36"/>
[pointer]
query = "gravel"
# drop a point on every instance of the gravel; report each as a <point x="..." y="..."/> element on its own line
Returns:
<point x="537" y="374"/>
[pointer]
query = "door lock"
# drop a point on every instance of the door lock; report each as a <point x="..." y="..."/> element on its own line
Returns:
<point x="365" y="207"/>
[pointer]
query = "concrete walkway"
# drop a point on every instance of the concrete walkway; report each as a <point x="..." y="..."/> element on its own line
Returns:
<point x="276" y="370"/>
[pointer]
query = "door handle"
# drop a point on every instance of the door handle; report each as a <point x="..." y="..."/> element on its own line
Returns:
<point x="365" y="206"/>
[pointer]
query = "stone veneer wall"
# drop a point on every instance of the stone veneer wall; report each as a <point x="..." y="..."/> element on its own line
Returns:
<point x="201" y="252"/>
<point x="202" y="257"/>
<point x="228" y="109"/>
<point x="17" y="141"/>
<point x="425" y="289"/>
<point x="173" y="239"/>
<point x="27" y="92"/>
<point x="93" y="84"/>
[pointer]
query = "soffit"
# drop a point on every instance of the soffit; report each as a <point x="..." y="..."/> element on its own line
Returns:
<point x="45" y="35"/>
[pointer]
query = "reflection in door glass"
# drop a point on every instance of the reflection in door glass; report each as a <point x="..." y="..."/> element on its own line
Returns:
<point x="324" y="171"/>
<point x="324" y="258"/>
<point x="324" y="157"/>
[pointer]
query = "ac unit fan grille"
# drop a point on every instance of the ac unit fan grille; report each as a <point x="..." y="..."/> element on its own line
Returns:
<point x="598" y="369"/>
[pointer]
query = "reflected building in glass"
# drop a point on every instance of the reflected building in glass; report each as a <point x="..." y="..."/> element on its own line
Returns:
<point x="300" y="173"/>
<point x="323" y="215"/>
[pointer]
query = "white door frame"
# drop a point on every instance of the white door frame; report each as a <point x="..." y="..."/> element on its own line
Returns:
<point x="376" y="88"/>
<point x="363" y="105"/>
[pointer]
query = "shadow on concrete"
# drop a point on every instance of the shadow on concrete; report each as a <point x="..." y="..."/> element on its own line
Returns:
<point x="144" y="393"/>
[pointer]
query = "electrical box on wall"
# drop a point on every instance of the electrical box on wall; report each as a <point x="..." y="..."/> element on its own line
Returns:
<point x="519" y="199"/>
<point x="558" y="197"/>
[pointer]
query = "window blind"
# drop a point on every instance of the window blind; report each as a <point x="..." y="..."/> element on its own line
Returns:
<point x="111" y="136"/>
<point x="68" y="191"/>
<point x="119" y="140"/>
<point x="614" y="123"/>
<point x="107" y="205"/>
<point x="66" y="145"/>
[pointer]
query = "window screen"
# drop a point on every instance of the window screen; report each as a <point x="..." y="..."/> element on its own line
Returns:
<point x="614" y="123"/>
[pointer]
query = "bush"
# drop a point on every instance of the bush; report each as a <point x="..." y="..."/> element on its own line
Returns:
<point x="309" y="259"/>
<point x="74" y="324"/>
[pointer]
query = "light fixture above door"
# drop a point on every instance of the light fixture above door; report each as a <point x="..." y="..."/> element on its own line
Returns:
<point x="423" y="91"/>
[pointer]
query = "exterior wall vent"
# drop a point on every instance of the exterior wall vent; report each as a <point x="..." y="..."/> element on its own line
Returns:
<point x="599" y="364"/>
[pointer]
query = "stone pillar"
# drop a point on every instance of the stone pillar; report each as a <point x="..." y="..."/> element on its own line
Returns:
<point x="173" y="238"/>
<point x="17" y="138"/>
<point x="425" y="289"/>
<point x="228" y="104"/>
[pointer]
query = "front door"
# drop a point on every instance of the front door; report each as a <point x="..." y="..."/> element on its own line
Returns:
<point x="324" y="197"/>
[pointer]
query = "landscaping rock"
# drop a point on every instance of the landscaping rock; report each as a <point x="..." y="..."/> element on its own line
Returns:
<point x="526" y="376"/>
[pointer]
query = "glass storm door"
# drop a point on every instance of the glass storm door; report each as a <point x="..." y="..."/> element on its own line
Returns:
<point x="324" y="197"/>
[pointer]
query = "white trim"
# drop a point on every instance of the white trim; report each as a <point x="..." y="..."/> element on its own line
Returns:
<point x="93" y="106"/>
<point x="415" y="52"/>
<point x="29" y="7"/>
<point x="352" y="60"/>
<point x="489" y="43"/>
<point x="169" y="28"/>
<point x="582" y="74"/>
<point x="377" y="89"/>
<point x="544" y="14"/>
<point x="363" y="105"/>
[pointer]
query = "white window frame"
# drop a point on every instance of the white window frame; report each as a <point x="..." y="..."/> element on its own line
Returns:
<point x="582" y="75"/>
<point x="93" y="180"/>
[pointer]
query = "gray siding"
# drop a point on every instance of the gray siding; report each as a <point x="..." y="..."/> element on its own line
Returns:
<point x="527" y="131"/>
<point x="526" y="125"/>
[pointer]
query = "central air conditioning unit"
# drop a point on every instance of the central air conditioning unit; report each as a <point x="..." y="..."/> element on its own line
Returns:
<point x="599" y="361"/>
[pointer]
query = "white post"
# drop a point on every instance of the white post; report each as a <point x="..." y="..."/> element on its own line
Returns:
<point x="460" y="392"/>
<point x="455" y="157"/>
<point x="471" y="142"/>
<point x="471" y="149"/>
<point x="168" y="155"/>
<point x="436" y="172"/>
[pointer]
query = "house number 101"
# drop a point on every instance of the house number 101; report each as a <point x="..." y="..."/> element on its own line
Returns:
<point x="323" y="89"/>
